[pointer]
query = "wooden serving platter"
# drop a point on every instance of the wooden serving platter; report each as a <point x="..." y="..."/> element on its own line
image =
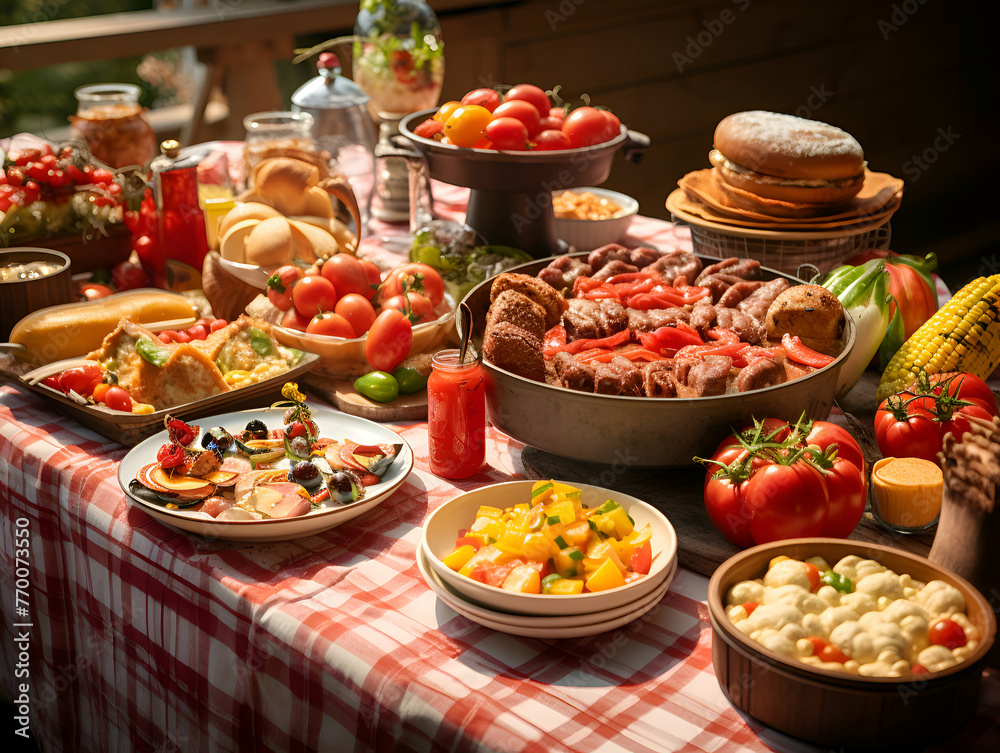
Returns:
<point x="340" y="393"/>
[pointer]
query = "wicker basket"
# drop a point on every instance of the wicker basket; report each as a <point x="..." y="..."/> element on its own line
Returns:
<point x="785" y="251"/>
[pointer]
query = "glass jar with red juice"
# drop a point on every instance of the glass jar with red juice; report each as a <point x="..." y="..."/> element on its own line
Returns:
<point x="456" y="415"/>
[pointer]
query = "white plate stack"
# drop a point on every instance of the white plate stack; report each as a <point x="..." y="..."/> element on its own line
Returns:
<point x="543" y="615"/>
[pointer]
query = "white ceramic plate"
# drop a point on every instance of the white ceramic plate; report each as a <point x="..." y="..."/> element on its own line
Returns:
<point x="449" y="595"/>
<point x="331" y="423"/>
<point x="442" y="527"/>
<point x="550" y="628"/>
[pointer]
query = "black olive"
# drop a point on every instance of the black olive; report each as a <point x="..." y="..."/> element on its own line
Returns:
<point x="344" y="486"/>
<point x="256" y="429"/>
<point x="217" y="439"/>
<point x="305" y="473"/>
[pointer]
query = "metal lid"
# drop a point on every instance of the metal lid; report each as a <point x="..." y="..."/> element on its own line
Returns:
<point x="329" y="93"/>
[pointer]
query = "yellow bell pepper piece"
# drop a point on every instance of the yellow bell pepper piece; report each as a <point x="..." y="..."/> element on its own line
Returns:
<point x="487" y="555"/>
<point x="538" y="546"/>
<point x="561" y="511"/>
<point x="578" y="534"/>
<point x="523" y="579"/>
<point x="458" y="559"/>
<point x="621" y="522"/>
<point x="566" y="587"/>
<point x="568" y="562"/>
<point x="487" y="527"/>
<point x="606" y="577"/>
<point x="486" y="511"/>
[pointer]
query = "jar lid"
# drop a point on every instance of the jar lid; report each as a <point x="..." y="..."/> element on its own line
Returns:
<point x="322" y="93"/>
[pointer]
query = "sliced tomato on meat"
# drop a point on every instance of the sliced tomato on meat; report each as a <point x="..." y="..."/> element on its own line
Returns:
<point x="555" y="337"/>
<point x="584" y="343"/>
<point x="668" y="340"/>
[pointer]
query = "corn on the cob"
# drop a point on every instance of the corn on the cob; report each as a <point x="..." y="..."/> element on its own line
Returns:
<point x="964" y="335"/>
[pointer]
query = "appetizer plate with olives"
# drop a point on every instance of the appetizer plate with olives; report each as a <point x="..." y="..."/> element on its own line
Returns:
<point x="271" y="474"/>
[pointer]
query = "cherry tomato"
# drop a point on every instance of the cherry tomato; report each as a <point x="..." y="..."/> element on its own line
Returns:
<point x="280" y="284"/>
<point x="129" y="276"/>
<point x="389" y="340"/>
<point x="81" y="379"/>
<point x="826" y="652"/>
<point x="92" y="291"/>
<point x="445" y="111"/>
<point x="331" y="325"/>
<point x="102" y="177"/>
<point x="587" y="126"/>
<point x="429" y="129"/>
<point x="948" y="633"/>
<point x="550" y="124"/>
<point x="292" y="319"/>
<point x="118" y="399"/>
<point x="531" y="94"/>
<point x="346" y="274"/>
<point x="181" y="336"/>
<point x="374" y="278"/>
<point x="313" y="294"/>
<point x="551" y="141"/>
<point x="419" y="277"/>
<point x="357" y="310"/>
<point x="614" y="123"/>
<point x="217" y="324"/>
<point x="558" y="112"/>
<point x="467" y="124"/>
<point x="905" y="427"/>
<point x="508" y="134"/>
<point x="487" y="98"/>
<point x="167" y="336"/>
<point x="198" y="332"/>
<point x="417" y="305"/>
<point x="520" y="110"/>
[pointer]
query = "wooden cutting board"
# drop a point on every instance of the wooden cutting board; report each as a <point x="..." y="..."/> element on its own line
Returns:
<point x="341" y="394"/>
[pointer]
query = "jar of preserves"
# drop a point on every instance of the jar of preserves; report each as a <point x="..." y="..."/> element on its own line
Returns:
<point x="277" y="134"/>
<point x="456" y="415"/>
<point x="109" y="121"/>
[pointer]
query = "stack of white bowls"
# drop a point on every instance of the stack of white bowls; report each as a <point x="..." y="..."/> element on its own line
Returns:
<point x="543" y="615"/>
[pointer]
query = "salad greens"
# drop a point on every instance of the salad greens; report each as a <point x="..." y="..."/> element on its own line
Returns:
<point x="461" y="255"/>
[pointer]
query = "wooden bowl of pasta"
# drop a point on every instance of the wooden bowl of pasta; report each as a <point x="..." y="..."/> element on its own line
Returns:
<point x="823" y="702"/>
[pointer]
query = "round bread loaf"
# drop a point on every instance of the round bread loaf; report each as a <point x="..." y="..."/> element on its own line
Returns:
<point x="787" y="158"/>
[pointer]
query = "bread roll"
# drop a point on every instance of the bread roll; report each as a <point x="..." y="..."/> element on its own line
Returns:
<point x="232" y="246"/>
<point x="270" y="243"/>
<point x="285" y="183"/>
<point x="250" y="210"/>
<point x="311" y="242"/>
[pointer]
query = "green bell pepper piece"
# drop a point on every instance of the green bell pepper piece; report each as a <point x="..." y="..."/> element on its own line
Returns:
<point x="379" y="386"/>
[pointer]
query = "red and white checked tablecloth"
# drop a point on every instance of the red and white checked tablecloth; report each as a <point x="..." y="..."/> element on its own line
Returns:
<point x="146" y="639"/>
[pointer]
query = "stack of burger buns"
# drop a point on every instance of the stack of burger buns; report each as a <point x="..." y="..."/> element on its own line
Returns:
<point x="771" y="170"/>
<point x="773" y="163"/>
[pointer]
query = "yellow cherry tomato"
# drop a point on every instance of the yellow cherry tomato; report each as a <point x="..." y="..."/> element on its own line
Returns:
<point x="467" y="125"/>
<point x="444" y="111"/>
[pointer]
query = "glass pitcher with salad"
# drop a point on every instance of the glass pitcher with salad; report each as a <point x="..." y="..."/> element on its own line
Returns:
<point x="398" y="56"/>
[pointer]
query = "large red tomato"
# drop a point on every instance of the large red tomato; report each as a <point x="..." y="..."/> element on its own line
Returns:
<point x="587" y="126"/>
<point x="905" y="428"/>
<point x="532" y="94"/>
<point x="389" y="340"/>
<point x="775" y="481"/>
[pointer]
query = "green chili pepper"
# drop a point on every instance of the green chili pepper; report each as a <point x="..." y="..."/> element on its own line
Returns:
<point x="410" y="380"/>
<point x="260" y="342"/>
<point x="839" y="582"/>
<point x="154" y="352"/>
<point x="379" y="386"/>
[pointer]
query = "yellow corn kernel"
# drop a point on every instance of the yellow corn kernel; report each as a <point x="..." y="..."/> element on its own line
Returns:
<point x="142" y="409"/>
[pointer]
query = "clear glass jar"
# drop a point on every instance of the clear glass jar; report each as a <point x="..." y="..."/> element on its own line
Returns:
<point x="456" y="415"/>
<point x="277" y="134"/>
<point x="399" y="62"/>
<point x="109" y="121"/>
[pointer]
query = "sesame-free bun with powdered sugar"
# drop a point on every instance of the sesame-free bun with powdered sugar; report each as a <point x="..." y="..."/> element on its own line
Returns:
<point x="786" y="158"/>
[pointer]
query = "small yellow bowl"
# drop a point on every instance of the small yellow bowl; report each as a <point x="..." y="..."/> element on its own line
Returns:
<point x="908" y="493"/>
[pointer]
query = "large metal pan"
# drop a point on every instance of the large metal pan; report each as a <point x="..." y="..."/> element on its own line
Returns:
<point x="639" y="431"/>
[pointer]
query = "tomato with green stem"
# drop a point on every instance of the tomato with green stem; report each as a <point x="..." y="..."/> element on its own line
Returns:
<point x="587" y="126"/>
<point x="313" y="294"/>
<point x="389" y="340"/>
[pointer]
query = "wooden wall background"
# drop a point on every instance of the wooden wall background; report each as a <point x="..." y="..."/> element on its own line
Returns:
<point x="897" y="75"/>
